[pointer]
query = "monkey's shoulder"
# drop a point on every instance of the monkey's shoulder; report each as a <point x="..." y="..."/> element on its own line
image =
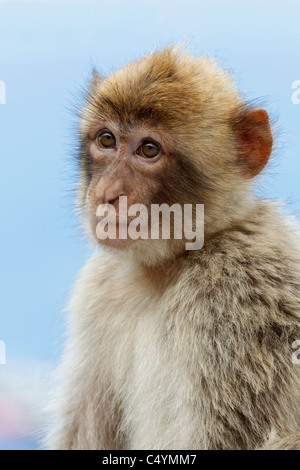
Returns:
<point x="267" y="244"/>
<point x="250" y="271"/>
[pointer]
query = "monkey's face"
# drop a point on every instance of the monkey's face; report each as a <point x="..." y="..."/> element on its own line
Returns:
<point x="168" y="129"/>
<point x="126" y="162"/>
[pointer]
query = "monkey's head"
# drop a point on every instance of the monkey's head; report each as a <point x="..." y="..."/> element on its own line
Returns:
<point x="173" y="129"/>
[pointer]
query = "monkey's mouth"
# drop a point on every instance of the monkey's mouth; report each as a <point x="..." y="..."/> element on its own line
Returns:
<point x="111" y="232"/>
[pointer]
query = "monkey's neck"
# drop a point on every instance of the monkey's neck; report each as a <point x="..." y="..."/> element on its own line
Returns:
<point x="229" y="210"/>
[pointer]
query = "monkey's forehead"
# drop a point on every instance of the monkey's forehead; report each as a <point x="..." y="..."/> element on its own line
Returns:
<point x="167" y="87"/>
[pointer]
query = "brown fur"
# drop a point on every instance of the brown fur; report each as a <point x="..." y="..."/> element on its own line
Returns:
<point x="171" y="349"/>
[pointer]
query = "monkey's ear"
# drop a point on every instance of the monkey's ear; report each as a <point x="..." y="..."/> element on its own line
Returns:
<point x="254" y="141"/>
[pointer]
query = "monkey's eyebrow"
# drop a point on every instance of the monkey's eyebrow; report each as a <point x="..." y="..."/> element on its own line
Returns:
<point x="97" y="126"/>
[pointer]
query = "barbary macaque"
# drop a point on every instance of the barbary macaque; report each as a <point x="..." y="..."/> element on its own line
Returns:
<point x="170" y="348"/>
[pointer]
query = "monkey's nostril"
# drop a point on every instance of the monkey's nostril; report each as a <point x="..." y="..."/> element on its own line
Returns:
<point x="113" y="201"/>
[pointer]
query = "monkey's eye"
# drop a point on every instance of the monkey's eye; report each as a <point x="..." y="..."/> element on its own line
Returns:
<point x="106" y="139"/>
<point x="149" y="149"/>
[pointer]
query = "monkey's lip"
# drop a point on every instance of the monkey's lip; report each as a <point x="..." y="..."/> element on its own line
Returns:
<point x="117" y="242"/>
<point x="119" y="221"/>
<point x="116" y="221"/>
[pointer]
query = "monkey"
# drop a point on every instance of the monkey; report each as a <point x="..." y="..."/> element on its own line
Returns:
<point x="168" y="348"/>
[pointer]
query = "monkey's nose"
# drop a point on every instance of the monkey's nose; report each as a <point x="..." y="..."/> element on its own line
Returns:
<point x="113" y="201"/>
<point x="112" y="197"/>
<point x="108" y="192"/>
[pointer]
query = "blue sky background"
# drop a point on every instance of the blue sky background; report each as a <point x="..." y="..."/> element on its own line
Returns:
<point x="47" y="50"/>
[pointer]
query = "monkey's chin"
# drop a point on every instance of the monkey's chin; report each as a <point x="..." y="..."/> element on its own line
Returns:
<point x="118" y="244"/>
<point x="114" y="240"/>
<point x="147" y="252"/>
